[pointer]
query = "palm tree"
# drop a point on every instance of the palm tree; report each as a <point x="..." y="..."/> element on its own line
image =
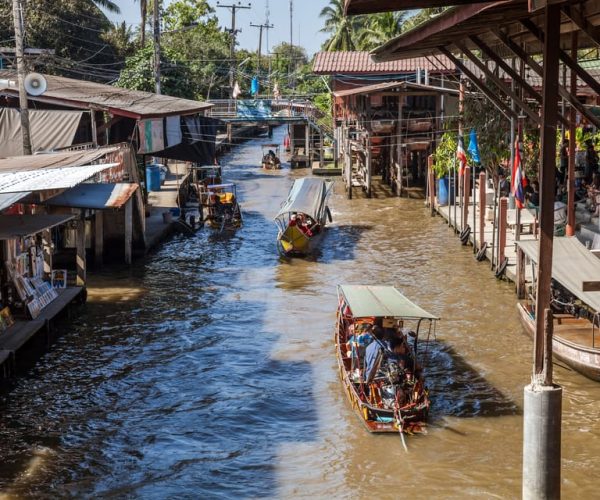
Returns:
<point x="379" y="29"/>
<point x="143" y="15"/>
<point x="109" y="5"/>
<point x="341" y="28"/>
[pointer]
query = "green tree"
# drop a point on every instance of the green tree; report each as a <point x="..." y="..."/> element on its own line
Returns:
<point x="380" y="28"/>
<point x="342" y="29"/>
<point x="120" y="37"/>
<point x="143" y="20"/>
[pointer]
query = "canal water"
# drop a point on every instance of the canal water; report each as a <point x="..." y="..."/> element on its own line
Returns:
<point x="208" y="370"/>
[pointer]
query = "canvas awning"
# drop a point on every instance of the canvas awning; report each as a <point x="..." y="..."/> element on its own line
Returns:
<point x="572" y="265"/>
<point x="49" y="178"/>
<point x="95" y="196"/>
<point x="380" y="301"/>
<point x="307" y="196"/>
<point x="14" y="226"/>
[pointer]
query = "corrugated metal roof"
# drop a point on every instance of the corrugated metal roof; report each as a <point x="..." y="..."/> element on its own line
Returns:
<point x="13" y="226"/>
<point x="378" y="87"/>
<point x="124" y="102"/>
<point x="8" y="199"/>
<point x="345" y="62"/>
<point x="95" y="196"/>
<point x="48" y="178"/>
<point x="54" y="160"/>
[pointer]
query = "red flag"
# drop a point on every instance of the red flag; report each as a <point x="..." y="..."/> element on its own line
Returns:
<point x="460" y="155"/>
<point x="517" y="181"/>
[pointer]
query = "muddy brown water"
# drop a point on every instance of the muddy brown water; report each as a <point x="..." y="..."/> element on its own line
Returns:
<point x="208" y="370"/>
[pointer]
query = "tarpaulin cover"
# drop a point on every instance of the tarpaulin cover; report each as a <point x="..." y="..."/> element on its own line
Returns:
<point x="307" y="196"/>
<point x="50" y="129"/>
<point x="380" y="301"/>
<point x="572" y="264"/>
<point x="198" y="141"/>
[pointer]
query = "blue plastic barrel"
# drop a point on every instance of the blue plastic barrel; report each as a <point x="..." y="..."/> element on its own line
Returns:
<point x="153" y="178"/>
<point x="445" y="191"/>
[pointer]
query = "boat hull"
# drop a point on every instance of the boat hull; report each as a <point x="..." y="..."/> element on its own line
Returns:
<point x="585" y="360"/>
<point x="293" y="243"/>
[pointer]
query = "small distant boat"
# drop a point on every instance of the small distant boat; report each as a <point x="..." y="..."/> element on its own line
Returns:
<point x="392" y="396"/>
<point x="575" y="303"/>
<point x="221" y="208"/>
<point x="270" y="157"/>
<point x="303" y="216"/>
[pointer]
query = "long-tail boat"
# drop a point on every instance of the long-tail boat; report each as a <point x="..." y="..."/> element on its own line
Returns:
<point x="575" y="302"/>
<point x="388" y="394"/>
<point x="303" y="216"/>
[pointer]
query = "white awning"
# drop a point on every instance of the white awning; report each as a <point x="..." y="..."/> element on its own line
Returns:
<point x="49" y="178"/>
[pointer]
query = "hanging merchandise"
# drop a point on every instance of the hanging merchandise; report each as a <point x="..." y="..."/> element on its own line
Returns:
<point x="236" y="90"/>
<point x="254" y="86"/>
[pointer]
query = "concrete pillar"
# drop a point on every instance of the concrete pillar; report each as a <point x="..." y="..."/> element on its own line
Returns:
<point x="502" y="223"/>
<point x="81" y="262"/>
<point x="128" y="230"/>
<point x="47" y="250"/>
<point x="482" y="208"/>
<point x="542" y="409"/>
<point x="466" y="193"/>
<point x="99" y="237"/>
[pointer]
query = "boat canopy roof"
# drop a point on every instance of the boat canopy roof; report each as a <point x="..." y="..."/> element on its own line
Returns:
<point x="380" y="301"/>
<point x="220" y="186"/>
<point x="204" y="167"/>
<point x="572" y="265"/>
<point x="270" y="145"/>
<point x="307" y="196"/>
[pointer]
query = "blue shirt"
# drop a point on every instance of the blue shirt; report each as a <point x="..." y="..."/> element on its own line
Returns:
<point x="373" y="350"/>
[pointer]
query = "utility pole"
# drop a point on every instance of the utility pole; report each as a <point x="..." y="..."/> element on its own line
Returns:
<point x="260" y="27"/>
<point x="292" y="66"/>
<point x="233" y="8"/>
<point x="18" y="18"/>
<point x="156" y="22"/>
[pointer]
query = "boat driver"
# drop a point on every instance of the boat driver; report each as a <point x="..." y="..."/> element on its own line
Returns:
<point x="374" y="353"/>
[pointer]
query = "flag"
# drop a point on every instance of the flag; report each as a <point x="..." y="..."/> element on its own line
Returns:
<point x="460" y="155"/>
<point x="474" y="147"/>
<point x="517" y="181"/>
<point x="254" y="86"/>
<point x="236" y="90"/>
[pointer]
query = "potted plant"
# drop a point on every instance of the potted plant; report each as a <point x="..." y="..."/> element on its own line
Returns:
<point x="444" y="162"/>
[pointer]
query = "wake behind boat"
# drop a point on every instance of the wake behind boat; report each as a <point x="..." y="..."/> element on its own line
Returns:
<point x="378" y="357"/>
<point x="303" y="216"/>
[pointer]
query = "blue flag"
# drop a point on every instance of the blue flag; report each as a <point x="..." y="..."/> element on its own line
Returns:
<point x="254" y="86"/>
<point x="474" y="147"/>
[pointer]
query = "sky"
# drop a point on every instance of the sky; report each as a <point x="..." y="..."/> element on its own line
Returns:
<point x="306" y="21"/>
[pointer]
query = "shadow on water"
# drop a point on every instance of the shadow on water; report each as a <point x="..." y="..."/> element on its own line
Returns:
<point x="459" y="390"/>
<point x="339" y="242"/>
<point x="172" y="393"/>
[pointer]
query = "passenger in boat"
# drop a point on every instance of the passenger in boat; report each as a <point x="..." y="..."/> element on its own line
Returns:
<point x="357" y="342"/>
<point x="401" y="355"/>
<point x="374" y="353"/>
<point x="302" y="224"/>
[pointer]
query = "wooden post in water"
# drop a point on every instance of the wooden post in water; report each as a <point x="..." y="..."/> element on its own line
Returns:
<point x="570" y="230"/>
<point x="502" y="223"/>
<point x="99" y="238"/>
<point x="520" y="273"/>
<point x="129" y="229"/>
<point x="80" y="254"/>
<point x="466" y="192"/>
<point x="482" y="208"/>
<point x="431" y="180"/>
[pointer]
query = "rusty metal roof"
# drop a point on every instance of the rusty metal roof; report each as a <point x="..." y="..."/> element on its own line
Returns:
<point x="54" y="160"/>
<point x="95" y="196"/>
<point x="329" y="63"/>
<point x="13" y="226"/>
<point x="83" y="94"/>
<point x="353" y="7"/>
<point x="379" y="87"/>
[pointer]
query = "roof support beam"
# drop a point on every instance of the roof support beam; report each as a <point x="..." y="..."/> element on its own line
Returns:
<point x="519" y="52"/>
<point x="502" y="107"/>
<point x="564" y="57"/>
<point x="499" y="83"/>
<point x="575" y="15"/>
<point x="481" y="45"/>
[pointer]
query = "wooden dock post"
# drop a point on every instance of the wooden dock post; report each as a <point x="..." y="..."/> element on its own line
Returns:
<point x="482" y="208"/>
<point x="80" y="242"/>
<point x="431" y="182"/>
<point x="520" y="273"/>
<point x="466" y="193"/>
<point x="47" y="251"/>
<point x="128" y="230"/>
<point x="99" y="238"/>
<point x="502" y="223"/>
